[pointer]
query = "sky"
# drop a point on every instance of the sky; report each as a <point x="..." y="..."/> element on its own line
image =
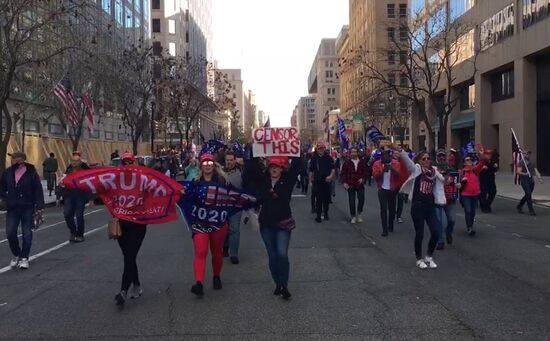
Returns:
<point x="274" y="43"/>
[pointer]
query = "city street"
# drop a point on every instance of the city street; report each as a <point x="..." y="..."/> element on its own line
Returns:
<point x="348" y="283"/>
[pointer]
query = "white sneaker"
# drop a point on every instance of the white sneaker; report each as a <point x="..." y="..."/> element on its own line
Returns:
<point x="24" y="263"/>
<point x="400" y="221"/>
<point x="14" y="262"/>
<point x="359" y="219"/>
<point x="353" y="220"/>
<point x="420" y="263"/>
<point x="430" y="262"/>
<point x="135" y="291"/>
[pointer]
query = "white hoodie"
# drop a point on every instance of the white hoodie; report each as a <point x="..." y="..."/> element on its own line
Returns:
<point x="416" y="170"/>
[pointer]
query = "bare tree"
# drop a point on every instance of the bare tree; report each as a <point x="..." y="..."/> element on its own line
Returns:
<point x="32" y="34"/>
<point x="421" y="65"/>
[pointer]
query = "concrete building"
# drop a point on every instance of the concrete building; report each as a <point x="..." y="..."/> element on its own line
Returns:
<point x="306" y="116"/>
<point x="245" y="101"/>
<point x="511" y="88"/>
<point x="373" y="24"/>
<point x="323" y="82"/>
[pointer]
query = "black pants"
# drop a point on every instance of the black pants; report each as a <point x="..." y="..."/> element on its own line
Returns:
<point x="401" y="200"/>
<point x="387" y="201"/>
<point x="304" y="183"/>
<point x="360" y="194"/>
<point x="321" y="190"/>
<point x="421" y="212"/>
<point x="528" y="188"/>
<point x="487" y="195"/>
<point x="130" y="243"/>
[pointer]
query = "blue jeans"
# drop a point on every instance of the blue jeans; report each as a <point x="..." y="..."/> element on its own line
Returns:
<point x="449" y="211"/>
<point x="276" y="243"/>
<point x="14" y="216"/>
<point x="470" y="205"/>
<point x="73" y="206"/>
<point x="234" y="236"/>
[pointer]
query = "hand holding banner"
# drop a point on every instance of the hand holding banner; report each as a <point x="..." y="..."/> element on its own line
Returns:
<point x="132" y="193"/>
<point x="276" y="142"/>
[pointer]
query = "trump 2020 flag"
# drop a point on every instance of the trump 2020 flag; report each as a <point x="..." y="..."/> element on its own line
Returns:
<point x="206" y="206"/>
<point x="374" y="134"/>
<point x="342" y="134"/>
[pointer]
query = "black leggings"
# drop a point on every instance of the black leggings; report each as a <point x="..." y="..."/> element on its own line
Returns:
<point x="130" y="243"/>
<point x="421" y="212"/>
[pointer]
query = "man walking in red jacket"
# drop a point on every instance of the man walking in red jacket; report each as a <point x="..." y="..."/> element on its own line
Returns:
<point x="386" y="173"/>
<point x="354" y="173"/>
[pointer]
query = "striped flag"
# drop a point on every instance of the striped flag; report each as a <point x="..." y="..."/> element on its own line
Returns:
<point x="342" y="134"/>
<point x="517" y="156"/>
<point x="325" y="122"/>
<point x="64" y="92"/>
<point x="88" y="108"/>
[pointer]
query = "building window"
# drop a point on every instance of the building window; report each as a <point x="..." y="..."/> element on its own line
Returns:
<point x="391" y="11"/>
<point x="391" y="34"/>
<point x="157" y="48"/>
<point x="171" y="26"/>
<point x="108" y="135"/>
<point x="502" y="85"/>
<point x="93" y="134"/>
<point x="106" y="6"/>
<point x="403" y="33"/>
<point x="328" y="91"/>
<point x="129" y="17"/>
<point x="403" y="82"/>
<point x="186" y="37"/>
<point x="121" y="136"/>
<point x="403" y="57"/>
<point x="468" y="97"/>
<point x="391" y="57"/>
<point x="156" y="25"/>
<point x="403" y="103"/>
<point x="55" y="129"/>
<point x="156" y="4"/>
<point x="119" y="13"/>
<point x="172" y="49"/>
<point x="329" y="74"/>
<point x="31" y="126"/>
<point x="391" y="79"/>
<point x="402" y="10"/>
<point x="459" y="7"/>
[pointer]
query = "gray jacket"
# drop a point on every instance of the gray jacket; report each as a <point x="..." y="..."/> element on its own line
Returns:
<point x="235" y="177"/>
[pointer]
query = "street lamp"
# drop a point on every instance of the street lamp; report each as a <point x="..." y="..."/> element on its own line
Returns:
<point x="391" y="98"/>
<point x="153" y="104"/>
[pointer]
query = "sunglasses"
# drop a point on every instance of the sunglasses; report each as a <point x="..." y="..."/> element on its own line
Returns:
<point x="425" y="159"/>
<point x="208" y="163"/>
<point x="467" y="160"/>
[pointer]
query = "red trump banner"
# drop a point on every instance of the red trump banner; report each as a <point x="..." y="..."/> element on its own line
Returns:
<point x="275" y="142"/>
<point x="132" y="193"/>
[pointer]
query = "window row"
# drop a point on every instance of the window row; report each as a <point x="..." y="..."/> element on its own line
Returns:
<point x="391" y="11"/>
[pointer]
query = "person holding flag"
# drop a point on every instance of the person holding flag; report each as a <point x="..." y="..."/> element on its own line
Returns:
<point x="526" y="171"/>
<point x="130" y="241"/>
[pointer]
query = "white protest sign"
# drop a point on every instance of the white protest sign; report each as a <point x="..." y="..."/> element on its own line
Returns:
<point x="276" y="142"/>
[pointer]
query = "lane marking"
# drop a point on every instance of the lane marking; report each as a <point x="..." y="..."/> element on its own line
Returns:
<point x="299" y="195"/>
<point x="517" y="235"/>
<point x="548" y="246"/>
<point x="52" y="249"/>
<point x="492" y="226"/>
<point x="52" y="225"/>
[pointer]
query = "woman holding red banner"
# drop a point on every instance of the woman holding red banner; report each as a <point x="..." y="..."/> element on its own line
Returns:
<point x="130" y="242"/>
<point x="276" y="222"/>
<point x="210" y="172"/>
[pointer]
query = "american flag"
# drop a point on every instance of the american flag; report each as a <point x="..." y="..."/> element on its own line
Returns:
<point x="325" y="121"/>
<point x="517" y="158"/>
<point x="89" y="108"/>
<point x="64" y="92"/>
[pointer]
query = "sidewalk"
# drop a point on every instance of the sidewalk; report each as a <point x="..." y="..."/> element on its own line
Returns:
<point x="507" y="189"/>
<point x="47" y="199"/>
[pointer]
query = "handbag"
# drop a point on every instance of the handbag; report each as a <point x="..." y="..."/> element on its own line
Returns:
<point x="114" y="229"/>
<point x="287" y="224"/>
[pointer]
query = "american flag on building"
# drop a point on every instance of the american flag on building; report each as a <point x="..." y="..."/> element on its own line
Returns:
<point x="63" y="90"/>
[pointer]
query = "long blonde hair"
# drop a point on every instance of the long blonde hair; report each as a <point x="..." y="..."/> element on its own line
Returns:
<point x="218" y="171"/>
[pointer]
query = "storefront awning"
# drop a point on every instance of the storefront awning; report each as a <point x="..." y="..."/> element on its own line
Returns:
<point x="463" y="120"/>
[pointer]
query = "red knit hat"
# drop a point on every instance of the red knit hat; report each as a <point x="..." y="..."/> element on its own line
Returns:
<point x="281" y="161"/>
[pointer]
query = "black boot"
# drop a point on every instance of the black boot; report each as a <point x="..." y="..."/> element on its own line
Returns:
<point x="278" y="290"/>
<point x="217" y="283"/>
<point x="197" y="289"/>
<point x="285" y="294"/>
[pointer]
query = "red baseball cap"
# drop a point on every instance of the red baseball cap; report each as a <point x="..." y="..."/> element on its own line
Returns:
<point x="206" y="157"/>
<point x="281" y="161"/>
<point x="128" y="156"/>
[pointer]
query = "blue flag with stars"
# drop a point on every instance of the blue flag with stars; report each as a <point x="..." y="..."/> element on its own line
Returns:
<point x="206" y="206"/>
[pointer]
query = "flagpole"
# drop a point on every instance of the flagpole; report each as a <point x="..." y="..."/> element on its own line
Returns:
<point x="521" y="152"/>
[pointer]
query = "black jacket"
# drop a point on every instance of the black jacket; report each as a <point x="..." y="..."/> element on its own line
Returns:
<point x="27" y="192"/>
<point x="276" y="201"/>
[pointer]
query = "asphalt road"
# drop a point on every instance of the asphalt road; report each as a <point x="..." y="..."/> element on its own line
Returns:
<point x="348" y="283"/>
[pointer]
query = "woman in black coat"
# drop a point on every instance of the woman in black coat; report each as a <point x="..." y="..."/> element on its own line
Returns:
<point x="276" y="222"/>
